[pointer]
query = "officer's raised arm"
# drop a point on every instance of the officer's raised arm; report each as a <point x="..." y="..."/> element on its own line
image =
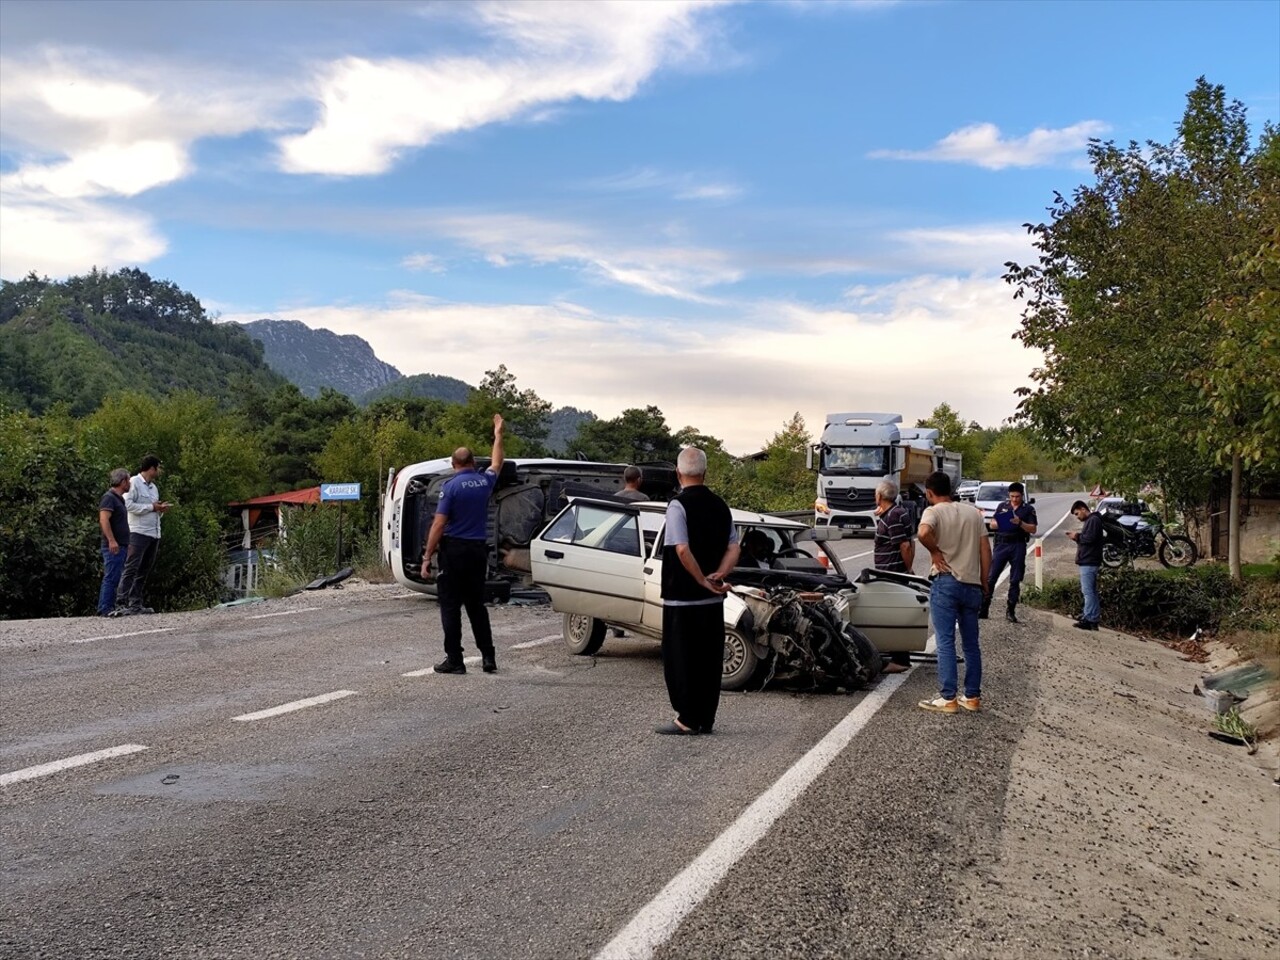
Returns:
<point x="496" y="462"/>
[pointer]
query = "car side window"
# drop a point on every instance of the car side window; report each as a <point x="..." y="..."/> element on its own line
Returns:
<point x="597" y="528"/>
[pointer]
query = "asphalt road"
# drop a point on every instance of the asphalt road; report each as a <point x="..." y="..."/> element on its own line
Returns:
<point x="529" y="813"/>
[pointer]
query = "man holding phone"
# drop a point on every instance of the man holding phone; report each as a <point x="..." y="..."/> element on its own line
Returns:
<point x="145" y="510"/>
<point x="1088" y="540"/>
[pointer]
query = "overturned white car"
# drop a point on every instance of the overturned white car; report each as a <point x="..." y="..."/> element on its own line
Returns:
<point x="793" y="614"/>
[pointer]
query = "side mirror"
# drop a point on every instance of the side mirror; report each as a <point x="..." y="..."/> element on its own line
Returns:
<point x="808" y="458"/>
<point x="1032" y="500"/>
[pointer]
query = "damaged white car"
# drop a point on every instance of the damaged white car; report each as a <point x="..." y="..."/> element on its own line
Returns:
<point x="793" y="614"/>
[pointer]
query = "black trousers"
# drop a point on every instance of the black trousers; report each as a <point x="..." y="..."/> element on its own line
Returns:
<point x="693" y="661"/>
<point x="463" y="568"/>
<point x="138" y="564"/>
<point x="1011" y="554"/>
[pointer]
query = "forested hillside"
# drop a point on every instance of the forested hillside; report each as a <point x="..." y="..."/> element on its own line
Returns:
<point x="80" y="340"/>
<point x="431" y="386"/>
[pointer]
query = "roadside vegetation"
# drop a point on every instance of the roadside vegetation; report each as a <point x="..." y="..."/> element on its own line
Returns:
<point x="1174" y="606"/>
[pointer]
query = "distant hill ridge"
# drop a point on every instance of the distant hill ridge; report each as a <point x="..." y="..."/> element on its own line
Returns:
<point x="316" y="358"/>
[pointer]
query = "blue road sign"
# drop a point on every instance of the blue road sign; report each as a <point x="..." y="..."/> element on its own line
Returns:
<point x="339" y="491"/>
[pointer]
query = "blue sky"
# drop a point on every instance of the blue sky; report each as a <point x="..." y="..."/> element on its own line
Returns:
<point x="731" y="211"/>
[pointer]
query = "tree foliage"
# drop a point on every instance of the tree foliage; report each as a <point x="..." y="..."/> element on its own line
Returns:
<point x="1118" y="299"/>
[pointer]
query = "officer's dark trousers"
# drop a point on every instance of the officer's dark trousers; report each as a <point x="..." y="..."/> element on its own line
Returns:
<point x="693" y="660"/>
<point x="138" y="564"/>
<point x="463" y="566"/>
<point x="1011" y="554"/>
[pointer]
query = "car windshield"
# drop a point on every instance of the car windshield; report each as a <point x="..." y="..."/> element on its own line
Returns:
<point x="859" y="461"/>
<point x="768" y="545"/>
<point x="993" y="491"/>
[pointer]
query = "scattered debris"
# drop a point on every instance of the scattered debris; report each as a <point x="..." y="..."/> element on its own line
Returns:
<point x="1234" y="728"/>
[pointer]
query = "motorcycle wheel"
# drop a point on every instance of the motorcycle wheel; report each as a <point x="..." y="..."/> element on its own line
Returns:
<point x="1177" y="552"/>
<point x="1113" y="556"/>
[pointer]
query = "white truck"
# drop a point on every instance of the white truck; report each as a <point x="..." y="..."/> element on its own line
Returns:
<point x="859" y="450"/>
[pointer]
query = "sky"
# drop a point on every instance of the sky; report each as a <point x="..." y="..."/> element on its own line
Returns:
<point x="731" y="211"/>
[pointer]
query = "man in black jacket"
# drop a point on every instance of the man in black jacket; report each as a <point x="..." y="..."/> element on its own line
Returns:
<point x="700" y="547"/>
<point x="1088" y="541"/>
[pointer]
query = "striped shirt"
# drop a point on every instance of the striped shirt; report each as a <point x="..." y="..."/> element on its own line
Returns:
<point x="892" y="530"/>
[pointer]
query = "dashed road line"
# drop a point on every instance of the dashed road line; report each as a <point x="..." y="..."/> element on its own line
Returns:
<point x="535" y="643"/>
<point x="282" y="613"/>
<point x="654" y="924"/>
<point x="44" y="769"/>
<point x="117" y="636"/>
<point x="296" y="705"/>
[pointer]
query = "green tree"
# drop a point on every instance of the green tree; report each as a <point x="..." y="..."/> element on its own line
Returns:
<point x="634" y="436"/>
<point x="964" y="438"/>
<point x="1117" y="300"/>
<point x="1011" y="457"/>
<point x="50" y="484"/>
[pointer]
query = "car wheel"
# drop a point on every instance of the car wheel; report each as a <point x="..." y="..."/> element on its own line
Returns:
<point x="1177" y="552"/>
<point x="583" y="634"/>
<point x="740" y="660"/>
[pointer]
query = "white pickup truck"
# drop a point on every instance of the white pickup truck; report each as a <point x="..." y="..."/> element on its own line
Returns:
<point x="601" y="563"/>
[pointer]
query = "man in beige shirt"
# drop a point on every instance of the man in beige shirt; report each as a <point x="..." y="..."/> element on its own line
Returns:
<point x="960" y="555"/>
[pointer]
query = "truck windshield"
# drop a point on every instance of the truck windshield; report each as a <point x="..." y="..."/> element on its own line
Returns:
<point x="856" y="461"/>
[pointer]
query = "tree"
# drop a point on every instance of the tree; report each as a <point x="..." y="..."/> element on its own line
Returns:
<point x="634" y="436"/>
<point x="1012" y="456"/>
<point x="1117" y="300"/>
<point x="1241" y="382"/>
<point x="955" y="434"/>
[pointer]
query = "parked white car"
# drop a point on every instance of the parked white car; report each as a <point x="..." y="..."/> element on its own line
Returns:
<point x="601" y="563"/>
<point x="968" y="490"/>
<point x="990" y="494"/>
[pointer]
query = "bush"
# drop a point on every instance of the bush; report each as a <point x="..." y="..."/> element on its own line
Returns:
<point x="309" y="547"/>
<point x="1171" y="603"/>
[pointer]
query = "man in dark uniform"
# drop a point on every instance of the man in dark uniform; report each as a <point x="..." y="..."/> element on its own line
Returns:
<point x="460" y="532"/>
<point x="700" y="547"/>
<point x="1014" y="524"/>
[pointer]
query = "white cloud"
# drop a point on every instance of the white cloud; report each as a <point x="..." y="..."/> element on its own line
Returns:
<point x="63" y="237"/>
<point x="423" y="261"/>
<point x="681" y="186"/>
<point x="546" y="54"/>
<point x="905" y="346"/>
<point x="983" y="144"/>
<point x="677" y="270"/>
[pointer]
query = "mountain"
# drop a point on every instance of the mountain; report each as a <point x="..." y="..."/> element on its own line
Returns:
<point x="313" y="359"/>
<point x="80" y="339"/>
<point x="449" y="389"/>
<point x="562" y="427"/>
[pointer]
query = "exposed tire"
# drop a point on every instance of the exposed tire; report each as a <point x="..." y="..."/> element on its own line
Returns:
<point x="740" y="661"/>
<point x="582" y="634"/>
<point x="1177" y="551"/>
<point x="1112" y="556"/>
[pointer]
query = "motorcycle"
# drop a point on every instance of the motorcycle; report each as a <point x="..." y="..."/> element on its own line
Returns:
<point x="1129" y="538"/>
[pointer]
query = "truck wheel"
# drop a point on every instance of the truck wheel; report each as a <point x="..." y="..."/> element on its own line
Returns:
<point x="740" y="660"/>
<point x="584" y="635"/>
<point x="1177" y="552"/>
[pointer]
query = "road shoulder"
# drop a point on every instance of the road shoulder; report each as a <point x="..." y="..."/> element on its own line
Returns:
<point x="1127" y="831"/>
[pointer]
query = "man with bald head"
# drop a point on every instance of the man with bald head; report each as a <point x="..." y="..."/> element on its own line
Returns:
<point x="460" y="533"/>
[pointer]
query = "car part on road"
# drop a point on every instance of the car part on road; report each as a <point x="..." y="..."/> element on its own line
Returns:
<point x="810" y="645"/>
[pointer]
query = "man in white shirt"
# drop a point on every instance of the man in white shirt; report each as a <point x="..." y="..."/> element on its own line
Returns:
<point x="145" y="510"/>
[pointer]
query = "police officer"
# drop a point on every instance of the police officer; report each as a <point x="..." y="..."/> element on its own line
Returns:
<point x="460" y="533"/>
<point x="1014" y="524"/>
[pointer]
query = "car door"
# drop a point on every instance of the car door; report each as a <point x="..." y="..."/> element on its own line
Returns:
<point x="590" y="561"/>
<point x="652" y="617"/>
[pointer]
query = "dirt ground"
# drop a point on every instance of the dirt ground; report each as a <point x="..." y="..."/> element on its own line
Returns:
<point x="1128" y="831"/>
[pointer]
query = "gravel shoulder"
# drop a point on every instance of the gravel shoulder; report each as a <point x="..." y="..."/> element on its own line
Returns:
<point x="1127" y="831"/>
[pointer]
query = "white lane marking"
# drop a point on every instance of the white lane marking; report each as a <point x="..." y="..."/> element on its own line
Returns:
<point x="535" y="643"/>
<point x="857" y="555"/>
<point x="282" y="613"/>
<point x="296" y="705"/>
<point x="654" y="924"/>
<point x="469" y="661"/>
<point x="44" y="769"/>
<point x="117" y="636"/>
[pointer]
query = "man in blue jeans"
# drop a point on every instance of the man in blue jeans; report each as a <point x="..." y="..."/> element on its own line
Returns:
<point x="1088" y="541"/>
<point x="113" y="521"/>
<point x="960" y="556"/>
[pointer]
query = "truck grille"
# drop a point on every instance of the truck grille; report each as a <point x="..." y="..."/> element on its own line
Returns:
<point x="850" y="499"/>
